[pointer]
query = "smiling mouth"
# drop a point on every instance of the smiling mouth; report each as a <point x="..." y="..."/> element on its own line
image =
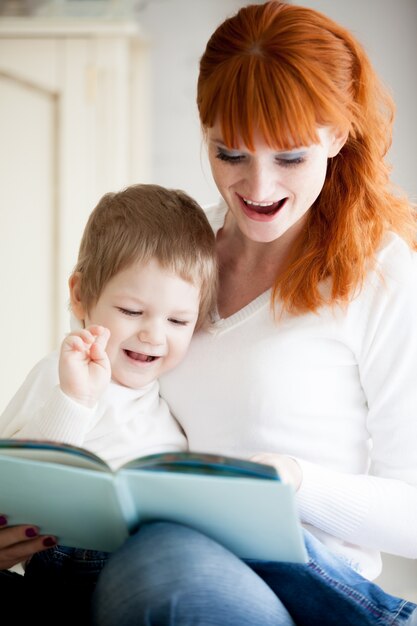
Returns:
<point x="139" y="356"/>
<point x="263" y="208"/>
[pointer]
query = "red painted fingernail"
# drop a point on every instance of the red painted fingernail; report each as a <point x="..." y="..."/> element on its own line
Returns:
<point x="49" y="542"/>
<point x="3" y="520"/>
<point x="31" y="532"/>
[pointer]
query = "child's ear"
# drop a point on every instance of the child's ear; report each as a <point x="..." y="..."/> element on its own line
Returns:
<point x="77" y="306"/>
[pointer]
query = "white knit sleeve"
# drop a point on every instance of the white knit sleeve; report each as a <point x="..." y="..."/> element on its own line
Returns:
<point x="378" y="510"/>
<point x="40" y="410"/>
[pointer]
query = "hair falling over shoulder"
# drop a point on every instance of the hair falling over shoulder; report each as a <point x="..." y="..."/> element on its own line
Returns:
<point x="284" y="70"/>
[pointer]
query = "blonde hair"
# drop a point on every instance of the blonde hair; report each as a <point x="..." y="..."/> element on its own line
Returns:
<point x="144" y="222"/>
<point x="285" y="70"/>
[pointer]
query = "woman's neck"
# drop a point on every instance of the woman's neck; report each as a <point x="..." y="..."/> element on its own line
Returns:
<point x="249" y="268"/>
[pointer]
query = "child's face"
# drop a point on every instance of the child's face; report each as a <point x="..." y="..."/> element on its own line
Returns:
<point x="151" y="314"/>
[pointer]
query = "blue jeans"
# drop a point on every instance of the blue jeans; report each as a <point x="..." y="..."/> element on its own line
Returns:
<point x="171" y="575"/>
<point x="59" y="584"/>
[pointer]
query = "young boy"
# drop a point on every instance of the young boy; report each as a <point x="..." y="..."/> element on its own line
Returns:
<point x="144" y="281"/>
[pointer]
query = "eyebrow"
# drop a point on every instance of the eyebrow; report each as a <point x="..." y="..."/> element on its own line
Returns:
<point x="135" y="301"/>
<point x="185" y="312"/>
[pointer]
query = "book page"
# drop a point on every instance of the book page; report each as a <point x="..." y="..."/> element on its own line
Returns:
<point x="52" y="452"/>
<point x="203" y="463"/>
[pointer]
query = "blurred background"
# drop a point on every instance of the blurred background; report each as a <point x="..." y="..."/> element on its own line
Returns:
<point x="98" y="94"/>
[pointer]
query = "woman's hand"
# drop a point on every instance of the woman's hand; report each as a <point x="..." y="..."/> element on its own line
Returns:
<point x="18" y="543"/>
<point x="84" y="367"/>
<point x="289" y="470"/>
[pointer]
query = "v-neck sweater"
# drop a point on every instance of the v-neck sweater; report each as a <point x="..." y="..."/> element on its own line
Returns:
<point x="335" y="389"/>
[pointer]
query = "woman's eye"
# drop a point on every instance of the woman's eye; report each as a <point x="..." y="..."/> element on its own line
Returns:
<point x="286" y="161"/>
<point x="290" y="162"/>
<point x="229" y="158"/>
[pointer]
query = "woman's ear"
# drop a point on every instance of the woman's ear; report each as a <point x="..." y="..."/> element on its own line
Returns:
<point x="77" y="306"/>
<point x="338" y="140"/>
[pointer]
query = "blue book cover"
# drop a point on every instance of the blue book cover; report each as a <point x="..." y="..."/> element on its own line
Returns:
<point x="72" y="493"/>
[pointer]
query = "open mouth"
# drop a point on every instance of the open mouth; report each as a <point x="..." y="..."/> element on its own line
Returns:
<point x="267" y="209"/>
<point x="139" y="356"/>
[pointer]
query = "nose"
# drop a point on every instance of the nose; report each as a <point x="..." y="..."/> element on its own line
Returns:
<point x="151" y="332"/>
<point x="262" y="180"/>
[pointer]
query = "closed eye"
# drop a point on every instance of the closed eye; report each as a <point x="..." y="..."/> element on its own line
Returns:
<point x="129" y="312"/>
<point x="290" y="162"/>
<point x="229" y="157"/>
<point x="178" y="322"/>
<point x="284" y="160"/>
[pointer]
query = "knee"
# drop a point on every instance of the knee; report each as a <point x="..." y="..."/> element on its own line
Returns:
<point x="152" y="570"/>
<point x="171" y="574"/>
<point x="165" y="556"/>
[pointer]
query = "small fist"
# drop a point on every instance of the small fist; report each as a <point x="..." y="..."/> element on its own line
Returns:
<point x="84" y="367"/>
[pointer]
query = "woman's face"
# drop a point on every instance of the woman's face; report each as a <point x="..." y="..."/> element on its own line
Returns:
<point x="268" y="190"/>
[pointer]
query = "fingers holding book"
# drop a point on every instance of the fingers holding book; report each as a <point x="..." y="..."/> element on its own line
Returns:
<point x="18" y="543"/>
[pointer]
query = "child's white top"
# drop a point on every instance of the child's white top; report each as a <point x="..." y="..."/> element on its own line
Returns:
<point x="126" y="423"/>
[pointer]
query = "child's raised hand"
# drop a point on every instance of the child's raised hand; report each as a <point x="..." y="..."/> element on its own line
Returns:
<point x="84" y="367"/>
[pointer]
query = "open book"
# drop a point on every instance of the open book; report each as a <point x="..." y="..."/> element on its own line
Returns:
<point x="71" y="493"/>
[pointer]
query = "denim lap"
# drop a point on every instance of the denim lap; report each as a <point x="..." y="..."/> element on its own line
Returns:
<point x="171" y="575"/>
<point x="323" y="592"/>
<point x="179" y="577"/>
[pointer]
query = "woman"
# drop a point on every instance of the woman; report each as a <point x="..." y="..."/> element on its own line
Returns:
<point x="310" y="362"/>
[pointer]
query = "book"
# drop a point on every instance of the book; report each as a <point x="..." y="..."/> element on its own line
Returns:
<point x="73" y="494"/>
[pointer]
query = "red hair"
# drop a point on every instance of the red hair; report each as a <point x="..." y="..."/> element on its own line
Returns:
<point x="285" y="70"/>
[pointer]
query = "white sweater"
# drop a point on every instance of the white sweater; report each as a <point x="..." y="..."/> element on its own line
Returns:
<point x="337" y="390"/>
<point x="125" y="424"/>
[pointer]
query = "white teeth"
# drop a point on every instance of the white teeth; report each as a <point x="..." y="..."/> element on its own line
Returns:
<point x="259" y="203"/>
